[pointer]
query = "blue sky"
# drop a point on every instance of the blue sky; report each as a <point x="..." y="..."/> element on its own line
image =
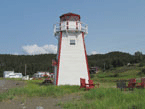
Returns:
<point x="26" y="26"/>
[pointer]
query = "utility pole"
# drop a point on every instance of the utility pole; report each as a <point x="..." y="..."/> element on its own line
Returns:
<point x="104" y="66"/>
<point x="25" y="69"/>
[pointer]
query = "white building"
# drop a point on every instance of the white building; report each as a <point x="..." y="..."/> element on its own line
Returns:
<point x="71" y="57"/>
<point x="25" y="77"/>
<point x="41" y="74"/>
<point x="11" y="74"/>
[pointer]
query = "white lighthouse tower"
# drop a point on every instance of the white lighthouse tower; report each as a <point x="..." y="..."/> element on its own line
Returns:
<point x="72" y="63"/>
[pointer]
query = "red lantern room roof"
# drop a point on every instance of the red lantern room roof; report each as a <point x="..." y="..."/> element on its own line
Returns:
<point x="70" y="17"/>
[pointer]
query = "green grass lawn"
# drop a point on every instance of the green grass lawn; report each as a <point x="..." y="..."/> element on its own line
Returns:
<point x="33" y="89"/>
<point x="108" y="98"/>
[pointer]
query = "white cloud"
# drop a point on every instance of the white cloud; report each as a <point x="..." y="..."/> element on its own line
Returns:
<point x="15" y="54"/>
<point x="35" y="49"/>
<point x="94" y="53"/>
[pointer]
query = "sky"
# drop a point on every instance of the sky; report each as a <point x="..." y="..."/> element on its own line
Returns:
<point x="26" y="26"/>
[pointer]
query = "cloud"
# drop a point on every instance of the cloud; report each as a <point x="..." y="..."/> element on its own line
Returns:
<point x="15" y="54"/>
<point x="35" y="49"/>
<point x="95" y="52"/>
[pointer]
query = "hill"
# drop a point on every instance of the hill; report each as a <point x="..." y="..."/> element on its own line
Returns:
<point x="114" y="59"/>
<point x="43" y="62"/>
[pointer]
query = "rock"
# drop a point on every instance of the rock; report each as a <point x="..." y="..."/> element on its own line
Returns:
<point x="39" y="107"/>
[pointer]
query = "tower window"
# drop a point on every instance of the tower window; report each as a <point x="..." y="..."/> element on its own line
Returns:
<point x="72" y="42"/>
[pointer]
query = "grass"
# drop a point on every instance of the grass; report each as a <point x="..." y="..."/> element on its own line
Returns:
<point x="118" y="73"/>
<point x="105" y="97"/>
<point x="1" y="78"/>
<point x="108" y="96"/>
<point x="33" y="88"/>
<point x="17" y="79"/>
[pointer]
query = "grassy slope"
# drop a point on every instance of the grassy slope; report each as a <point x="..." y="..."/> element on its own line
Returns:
<point x="120" y="72"/>
<point x="108" y="96"/>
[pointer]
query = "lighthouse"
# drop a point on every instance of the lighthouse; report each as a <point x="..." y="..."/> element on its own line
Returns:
<point x="71" y="61"/>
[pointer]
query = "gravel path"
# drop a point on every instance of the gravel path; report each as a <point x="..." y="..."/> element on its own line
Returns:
<point x="37" y="102"/>
<point x="8" y="84"/>
<point x="33" y="102"/>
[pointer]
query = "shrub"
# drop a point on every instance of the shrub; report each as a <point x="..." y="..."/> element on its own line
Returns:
<point x="141" y="65"/>
<point x="92" y="75"/>
<point x="45" y="76"/>
<point x="143" y="71"/>
<point x="101" y="75"/>
<point x="116" y="75"/>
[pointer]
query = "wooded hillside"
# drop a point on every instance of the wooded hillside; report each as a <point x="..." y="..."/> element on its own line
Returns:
<point x="43" y="62"/>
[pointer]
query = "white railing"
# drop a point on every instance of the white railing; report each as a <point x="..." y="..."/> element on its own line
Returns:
<point x="70" y="26"/>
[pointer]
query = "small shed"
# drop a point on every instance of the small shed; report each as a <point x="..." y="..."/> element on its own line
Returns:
<point x="11" y="74"/>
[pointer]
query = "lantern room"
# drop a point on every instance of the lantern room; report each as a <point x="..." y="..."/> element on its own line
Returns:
<point x="70" y="22"/>
<point x="69" y="17"/>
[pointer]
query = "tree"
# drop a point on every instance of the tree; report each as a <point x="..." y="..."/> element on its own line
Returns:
<point x="138" y="56"/>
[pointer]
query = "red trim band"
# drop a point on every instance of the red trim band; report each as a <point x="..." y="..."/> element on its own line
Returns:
<point x="60" y="40"/>
<point x="86" y="55"/>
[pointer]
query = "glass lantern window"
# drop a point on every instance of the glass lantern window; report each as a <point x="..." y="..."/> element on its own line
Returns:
<point x="70" y="18"/>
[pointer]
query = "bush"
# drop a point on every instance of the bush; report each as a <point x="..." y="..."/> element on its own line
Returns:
<point x="143" y="71"/>
<point x="101" y="75"/>
<point x="141" y="65"/>
<point x="116" y="75"/>
<point x="45" y="76"/>
<point x="92" y="75"/>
